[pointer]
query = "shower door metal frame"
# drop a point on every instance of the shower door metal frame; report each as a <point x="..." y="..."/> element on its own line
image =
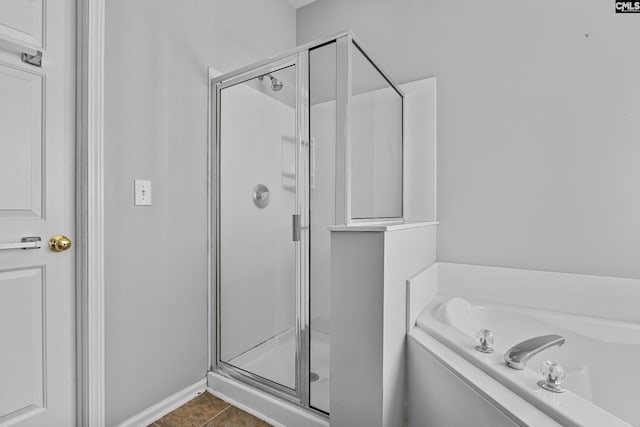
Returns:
<point x="299" y="395"/>
<point x="345" y="46"/>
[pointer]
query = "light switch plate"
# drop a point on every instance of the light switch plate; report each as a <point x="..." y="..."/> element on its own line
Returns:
<point x="142" y="192"/>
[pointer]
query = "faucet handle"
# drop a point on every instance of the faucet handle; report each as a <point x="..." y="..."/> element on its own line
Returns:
<point x="484" y="337"/>
<point x="553" y="375"/>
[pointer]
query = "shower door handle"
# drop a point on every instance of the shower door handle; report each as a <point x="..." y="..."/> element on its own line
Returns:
<point x="295" y="223"/>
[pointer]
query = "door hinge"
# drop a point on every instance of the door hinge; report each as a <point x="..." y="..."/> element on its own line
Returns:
<point x="35" y="60"/>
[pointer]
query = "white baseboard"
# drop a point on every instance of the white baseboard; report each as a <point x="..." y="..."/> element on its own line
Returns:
<point x="169" y="404"/>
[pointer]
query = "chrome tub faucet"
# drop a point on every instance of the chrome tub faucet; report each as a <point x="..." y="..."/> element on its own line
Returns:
<point x="518" y="355"/>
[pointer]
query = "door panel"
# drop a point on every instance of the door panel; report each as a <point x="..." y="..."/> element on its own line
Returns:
<point x="22" y="330"/>
<point x="23" y="20"/>
<point x="37" y="198"/>
<point x="21" y="130"/>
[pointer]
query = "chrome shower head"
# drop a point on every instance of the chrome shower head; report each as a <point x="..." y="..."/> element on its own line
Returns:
<point x="276" y="84"/>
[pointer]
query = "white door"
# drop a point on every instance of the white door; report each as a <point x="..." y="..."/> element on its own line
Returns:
<point x="37" y="290"/>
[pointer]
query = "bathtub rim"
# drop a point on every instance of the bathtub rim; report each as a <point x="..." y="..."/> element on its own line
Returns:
<point x="434" y="307"/>
<point x="586" y="413"/>
<point x="497" y="394"/>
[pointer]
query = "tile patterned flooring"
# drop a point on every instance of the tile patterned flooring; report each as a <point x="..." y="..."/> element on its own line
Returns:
<point x="207" y="410"/>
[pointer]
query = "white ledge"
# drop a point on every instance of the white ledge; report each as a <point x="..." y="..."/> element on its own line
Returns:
<point x="381" y="227"/>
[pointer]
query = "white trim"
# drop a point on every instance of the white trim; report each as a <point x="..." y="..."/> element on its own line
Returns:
<point x="162" y="408"/>
<point x="382" y="227"/>
<point x="17" y="46"/>
<point x="244" y="407"/>
<point x="90" y="210"/>
<point x="262" y="404"/>
<point x="212" y="220"/>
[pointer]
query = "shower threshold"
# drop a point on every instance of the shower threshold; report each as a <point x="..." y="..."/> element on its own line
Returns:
<point x="274" y="360"/>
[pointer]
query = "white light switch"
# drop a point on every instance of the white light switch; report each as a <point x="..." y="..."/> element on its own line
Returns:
<point x="142" y="192"/>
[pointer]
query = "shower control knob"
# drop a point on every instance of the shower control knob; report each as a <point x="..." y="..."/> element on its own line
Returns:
<point x="484" y="337"/>
<point x="261" y="196"/>
<point x="553" y="375"/>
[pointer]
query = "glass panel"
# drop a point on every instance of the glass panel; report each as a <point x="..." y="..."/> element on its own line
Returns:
<point x="322" y="87"/>
<point x="257" y="200"/>
<point x="375" y="136"/>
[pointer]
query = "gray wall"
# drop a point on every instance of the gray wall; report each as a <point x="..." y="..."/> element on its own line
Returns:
<point x="157" y="54"/>
<point x="538" y="112"/>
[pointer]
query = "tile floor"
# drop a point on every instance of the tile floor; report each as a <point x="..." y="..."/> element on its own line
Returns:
<point x="207" y="410"/>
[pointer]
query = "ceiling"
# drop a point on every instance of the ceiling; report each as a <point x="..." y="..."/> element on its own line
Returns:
<point x="299" y="3"/>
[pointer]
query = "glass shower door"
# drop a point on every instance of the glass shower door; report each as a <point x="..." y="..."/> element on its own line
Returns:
<point x="258" y="250"/>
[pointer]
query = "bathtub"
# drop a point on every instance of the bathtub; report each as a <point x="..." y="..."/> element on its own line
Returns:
<point x="449" y="379"/>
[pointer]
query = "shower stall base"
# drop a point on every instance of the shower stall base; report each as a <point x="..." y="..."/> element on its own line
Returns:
<point x="274" y="359"/>
<point x="263" y="405"/>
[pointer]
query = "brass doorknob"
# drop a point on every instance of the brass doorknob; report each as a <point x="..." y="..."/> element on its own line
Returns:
<point x="59" y="243"/>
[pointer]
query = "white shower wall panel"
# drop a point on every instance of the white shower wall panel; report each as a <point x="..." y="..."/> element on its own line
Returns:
<point x="257" y="254"/>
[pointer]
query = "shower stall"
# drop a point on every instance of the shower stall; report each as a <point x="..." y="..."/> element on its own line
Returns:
<point x="300" y="143"/>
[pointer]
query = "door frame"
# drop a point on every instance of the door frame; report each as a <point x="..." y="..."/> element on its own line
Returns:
<point x="300" y="394"/>
<point x="90" y="290"/>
